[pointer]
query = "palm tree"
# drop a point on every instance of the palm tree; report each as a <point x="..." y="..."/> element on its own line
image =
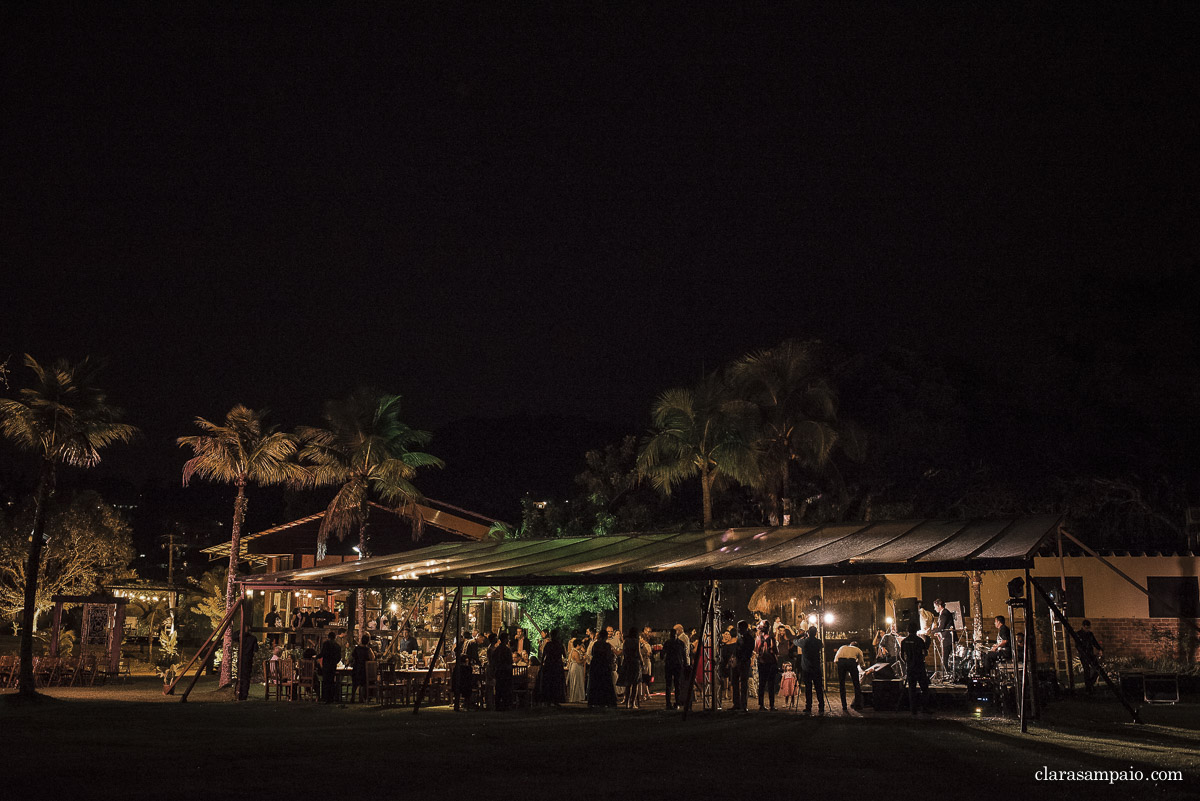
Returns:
<point x="240" y="452"/>
<point x="64" y="420"/>
<point x="698" y="432"/>
<point x="797" y="411"/>
<point x="366" y="451"/>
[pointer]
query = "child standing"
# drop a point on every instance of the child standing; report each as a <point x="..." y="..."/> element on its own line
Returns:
<point x="787" y="687"/>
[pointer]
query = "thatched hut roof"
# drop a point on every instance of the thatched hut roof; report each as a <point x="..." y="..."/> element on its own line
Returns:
<point x="778" y="593"/>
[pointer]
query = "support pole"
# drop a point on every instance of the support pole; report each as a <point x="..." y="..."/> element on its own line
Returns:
<point x="714" y="616"/>
<point x="705" y="617"/>
<point x="1084" y="654"/>
<point x="57" y="629"/>
<point x="241" y="663"/>
<point x="1031" y="664"/>
<point x="1062" y="578"/>
<point x="205" y="651"/>
<point x="621" y="608"/>
<point x="391" y="649"/>
<point x="438" y="652"/>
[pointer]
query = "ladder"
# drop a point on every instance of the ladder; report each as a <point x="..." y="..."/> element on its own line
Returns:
<point x="1062" y="654"/>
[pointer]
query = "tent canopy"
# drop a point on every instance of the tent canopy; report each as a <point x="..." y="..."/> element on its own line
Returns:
<point x="894" y="546"/>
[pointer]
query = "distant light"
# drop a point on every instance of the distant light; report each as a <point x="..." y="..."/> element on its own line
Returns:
<point x="812" y="620"/>
<point x="829" y="618"/>
<point x="888" y="620"/>
<point x="392" y="607"/>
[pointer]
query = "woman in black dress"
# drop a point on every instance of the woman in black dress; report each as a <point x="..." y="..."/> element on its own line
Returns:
<point x="552" y="676"/>
<point x="600" y="684"/>
<point x="631" y="668"/>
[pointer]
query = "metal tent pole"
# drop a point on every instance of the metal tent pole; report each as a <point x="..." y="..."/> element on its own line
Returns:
<point x="1031" y="663"/>
<point x="695" y="670"/>
<point x="1062" y="577"/>
<point x="1083" y="653"/>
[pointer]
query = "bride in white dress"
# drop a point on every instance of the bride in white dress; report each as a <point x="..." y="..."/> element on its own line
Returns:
<point x="575" y="693"/>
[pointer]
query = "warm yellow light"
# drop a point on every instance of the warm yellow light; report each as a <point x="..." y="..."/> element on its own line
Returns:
<point x="812" y="620"/>
<point x="829" y="618"/>
<point x="888" y="620"/>
<point x="392" y="607"/>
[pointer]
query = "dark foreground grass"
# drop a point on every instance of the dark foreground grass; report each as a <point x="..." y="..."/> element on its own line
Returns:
<point x="130" y="743"/>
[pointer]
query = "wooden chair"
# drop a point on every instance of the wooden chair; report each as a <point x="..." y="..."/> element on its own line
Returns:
<point x="522" y="685"/>
<point x="101" y="673"/>
<point x="8" y="670"/>
<point x="388" y="687"/>
<point x="68" y="671"/>
<point x="277" y="672"/>
<point x="46" y="672"/>
<point x="308" y="678"/>
<point x="371" y="690"/>
<point x="87" y="670"/>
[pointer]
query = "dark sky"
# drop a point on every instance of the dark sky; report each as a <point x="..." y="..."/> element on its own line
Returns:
<point x="493" y="214"/>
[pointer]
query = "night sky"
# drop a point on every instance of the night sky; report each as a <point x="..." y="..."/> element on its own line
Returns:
<point x="537" y="213"/>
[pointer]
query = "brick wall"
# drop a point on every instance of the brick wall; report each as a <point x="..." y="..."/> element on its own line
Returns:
<point x="1149" y="638"/>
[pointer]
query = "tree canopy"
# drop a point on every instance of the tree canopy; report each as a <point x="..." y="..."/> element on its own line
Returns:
<point x="89" y="544"/>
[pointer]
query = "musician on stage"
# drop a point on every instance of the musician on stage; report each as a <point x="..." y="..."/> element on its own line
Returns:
<point x="1002" y="650"/>
<point x="944" y="629"/>
<point x="926" y="620"/>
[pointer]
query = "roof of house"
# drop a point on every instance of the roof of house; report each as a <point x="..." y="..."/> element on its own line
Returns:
<point x="441" y="521"/>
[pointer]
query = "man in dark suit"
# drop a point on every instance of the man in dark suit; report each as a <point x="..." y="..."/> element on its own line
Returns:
<point x="329" y="656"/>
<point x="943" y="628"/>
<point x="674" y="661"/>
<point x="812" y="668"/>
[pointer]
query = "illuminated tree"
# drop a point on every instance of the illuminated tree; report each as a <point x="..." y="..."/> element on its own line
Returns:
<point x="240" y="452"/>
<point x="89" y="543"/>
<point x="366" y="451"/>
<point x="63" y="419"/>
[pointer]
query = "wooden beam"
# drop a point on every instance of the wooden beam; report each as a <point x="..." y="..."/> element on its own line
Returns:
<point x="207" y="648"/>
<point x="434" y="658"/>
<point x="1144" y="591"/>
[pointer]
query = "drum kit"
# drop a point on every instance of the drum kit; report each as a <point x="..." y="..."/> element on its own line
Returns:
<point x="956" y="663"/>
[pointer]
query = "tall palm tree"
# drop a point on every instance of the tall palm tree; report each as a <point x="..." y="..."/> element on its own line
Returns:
<point x="63" y="419"/>
<point x="797" y="413"/>
<point x="366" y="451"/>
<point x="702" y="432"/>
<point x="242" y="451"/>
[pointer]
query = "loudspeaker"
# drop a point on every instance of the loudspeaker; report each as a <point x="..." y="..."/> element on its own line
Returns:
<point x="906" y="611"/>
<point x="885" y="694"/>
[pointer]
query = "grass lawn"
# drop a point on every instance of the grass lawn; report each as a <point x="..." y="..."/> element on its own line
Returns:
<point x="129" y="742"/>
